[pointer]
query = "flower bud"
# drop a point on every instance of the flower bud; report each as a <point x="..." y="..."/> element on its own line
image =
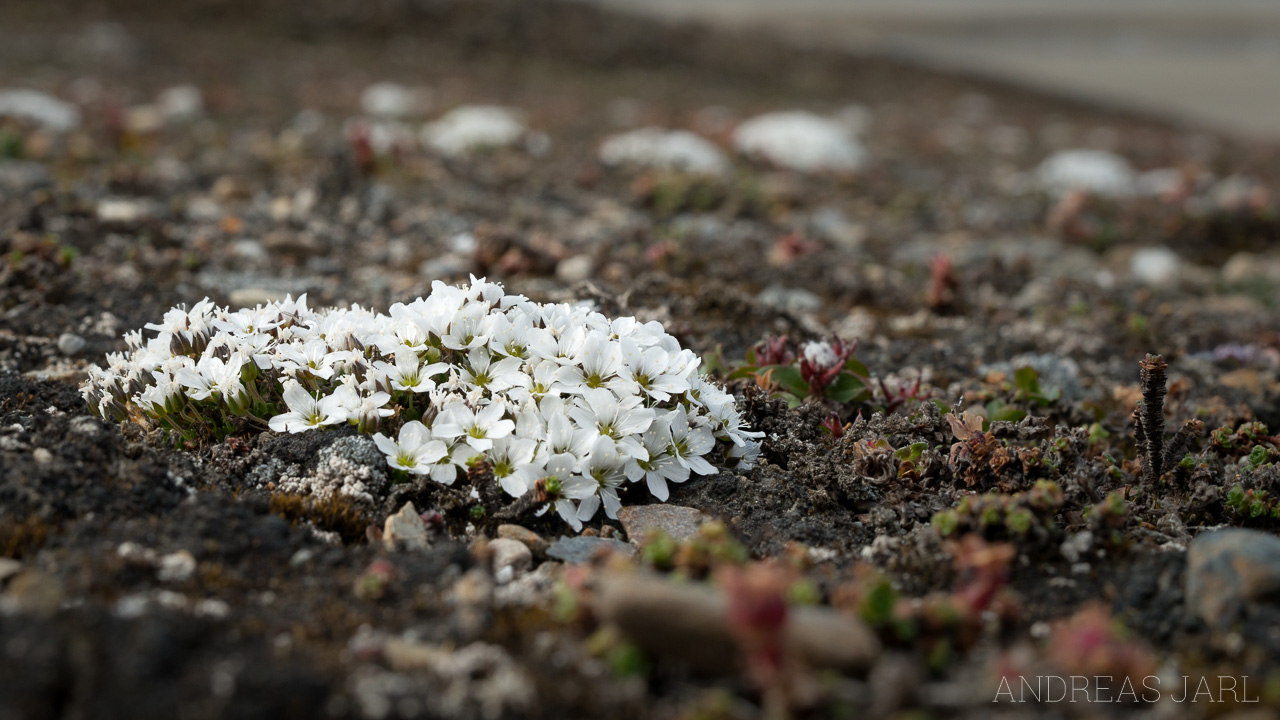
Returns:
<point x="236" y="403"/>
<point x="178" y="344"/>
<point x="174" y="402"/>
<point x="109" y="407"/>
<point x="369" y="421"/>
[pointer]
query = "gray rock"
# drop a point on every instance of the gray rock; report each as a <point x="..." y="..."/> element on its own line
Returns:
<point x="22" y="175"/>
<point x="444" y="266"/>
<point x="176" y="567"/>
<point x="252" y="297"/>
<point x="832" y="225"/>
<point x="681" y="523"/>
<point x="575" y="269"/>
<point x="510" y="556"/>
<point x="9" y="568"/>
<point x="405" y="530"/>
<point x="1055" y="372"/>
<point x="1229" y="570"/>
<point x="691" y="623"/>
<point x="1155" y="265"/>
<point x="31" y="592"/>
<point x="792" y="300"/>
<point x="582" y="548"/>
<point x="531" y="539"/>
<point x="70" y="344"/>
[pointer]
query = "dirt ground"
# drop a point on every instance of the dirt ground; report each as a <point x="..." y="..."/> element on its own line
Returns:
<point x="159" y="581"/>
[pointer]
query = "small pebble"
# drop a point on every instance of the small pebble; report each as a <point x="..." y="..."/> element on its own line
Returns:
<point x="531" y="539"/>
<point x="583" y="548"/>
<point x="70" y="344"/>
<point x="176" y="567"/>
<point x="405" y="530"/>
<point x="575" y="269"/>
<point x="511" y="554"/>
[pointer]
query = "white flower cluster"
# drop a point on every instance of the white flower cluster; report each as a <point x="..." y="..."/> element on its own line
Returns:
<point x="554" y="393"/>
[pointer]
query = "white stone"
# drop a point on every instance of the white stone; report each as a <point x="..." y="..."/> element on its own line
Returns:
<point x="800" y="141"/>
<point x="143" y="119"/>
<point x="792" y="300"/>
<point x="252" y="297"/>
<point x="203" y="209"/>
<point x="405" y="529"/>
<point x="1154" y="265"/>
<point x="45" y="110"/>
<point x="120" y="211"/>
<point x="1096" y="171"/>
<point x="655" y="147"/>
<point x="471" y="127"/>
<point x="9" y="568"/>
<point x="575" y="269"/>
<point x="182" y="102"/>
<point x="176" y="567"/>
<point x="510" y="554"/>
<point x="1159" y="182"/>
<point x="70" y="344"/>
<point x="391" y="100"/>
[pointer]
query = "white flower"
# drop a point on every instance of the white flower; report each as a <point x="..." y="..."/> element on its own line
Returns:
<point x="163" y="397"/>
<point x="602" y="474"/>
<point x="408" y="373"/>
<point x="467" y="330"/>
<point x="745" y="455"/>
<point x="414" y="451"/>
<point x="211" y="375"/>
<point x="727" y="424"/>
<point x="307" y="412"/>
<point x="619" y="419"/>
<point x="647" y="370"/>
<point x="512" y="460"/>
<point x="481" y="371"/>
<point x="661" y="465"/>
<point x="563" y="437"/>
<point x="561" y="469"/>
<point x="478" y="429"/>
<point x="597" y="366"/>
<point x="313" y="357"/>
<point x="820" y="353"/>
<point x="689" y="444"/>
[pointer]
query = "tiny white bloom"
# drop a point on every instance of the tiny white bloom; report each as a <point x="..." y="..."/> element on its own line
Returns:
<point x="661" y="465"/>
<point x="477" y="429"/>
<point x="307" y="412"/>
<point x="414" y="450"/>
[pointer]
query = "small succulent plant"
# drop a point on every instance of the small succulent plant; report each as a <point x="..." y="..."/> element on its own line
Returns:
<point x="823" y="369"/>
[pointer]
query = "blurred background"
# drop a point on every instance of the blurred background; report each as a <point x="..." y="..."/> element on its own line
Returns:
<point x="1209" y="61"/>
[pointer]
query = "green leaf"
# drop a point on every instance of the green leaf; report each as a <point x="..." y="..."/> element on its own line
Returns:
<point x="998" y="411"/>
<point x="911" y="452"/>
<point x="1027" y="380"/>
<point x="743" y="372"/>
<point x="713" y="361"/>
<point x="846" y="388"/>
<point x="856" y="367"/>
<point x="1258" y="456"/>
<point x="788" y="378"/>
